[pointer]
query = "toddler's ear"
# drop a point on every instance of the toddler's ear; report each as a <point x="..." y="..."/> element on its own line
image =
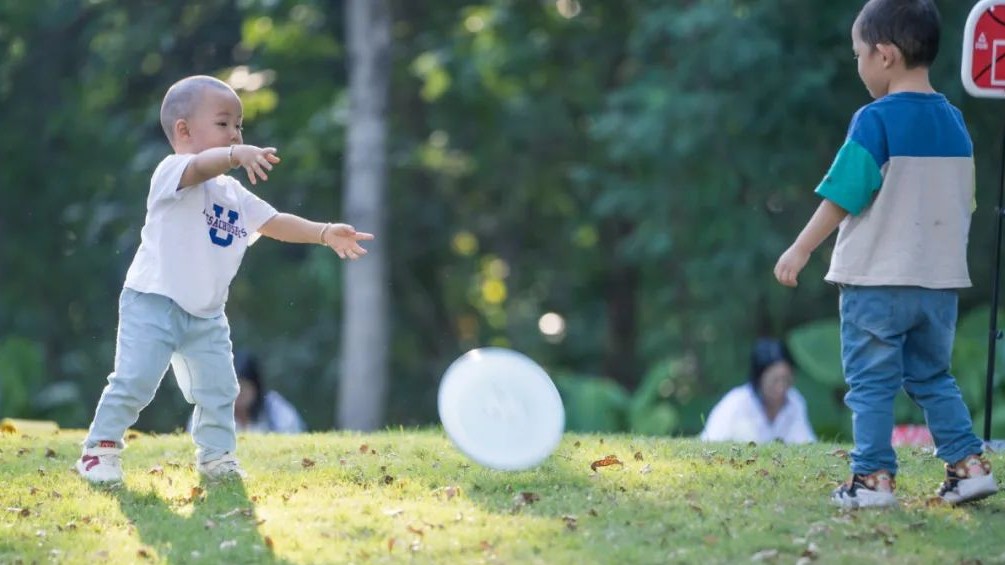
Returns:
<point x="180" y="129"/>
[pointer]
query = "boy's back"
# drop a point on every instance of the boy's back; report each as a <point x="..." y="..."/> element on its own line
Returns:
<point x="906" y="177"/>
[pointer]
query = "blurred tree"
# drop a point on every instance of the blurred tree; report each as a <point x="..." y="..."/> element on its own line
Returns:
<point x="365" y="333"/>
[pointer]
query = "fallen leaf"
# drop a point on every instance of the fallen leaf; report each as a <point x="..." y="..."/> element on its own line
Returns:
<point x="50" y="453"/>
<point x="765" y="555"/>
<point x="592" y="512"/>
<point x="306" y="463"/>
<point x="601" y="441"/>
<point x="195" y="493"/>
<point x="811" y="551"/>
<point x="570" y="522"/>
<point x="364" y="448"/>
<point x="269" y="543"/>
<point x="22" y="451"/>
<point x="577" y="444"/>
<point x="528" y="497"/>
<point x="132" y="435"/>
<point x="842" y="453"/>
<point x="416" y="531"/>
<point x="32" y="491"/>
<point x="638" y="456"/>
<point x="41" y="471"/>
<point x="142" y="552"/>
<point x="751" y="460"/>
<point x="485" y="546"/>
<point x="390" y="544"/>
<point x="388" y="479"/>
<point x="763" y="472"/>
<point x="606" y="461"/>
<point x="451" y="491"/>
<point x="156" y="470"/>
<point x="56" y="495"/>
<point x="934" y="501"/>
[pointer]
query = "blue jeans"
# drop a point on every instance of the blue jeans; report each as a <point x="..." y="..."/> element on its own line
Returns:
<point x="154" y="332"/>
<point x="893" y="337"/>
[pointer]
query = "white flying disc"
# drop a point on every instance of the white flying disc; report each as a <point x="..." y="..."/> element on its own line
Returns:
<point x="501" y="409"/>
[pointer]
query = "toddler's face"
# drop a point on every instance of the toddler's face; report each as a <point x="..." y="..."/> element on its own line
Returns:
<point x="216" y="122"/>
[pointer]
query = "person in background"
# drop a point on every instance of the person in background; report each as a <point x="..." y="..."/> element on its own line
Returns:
<point x="258" y="409"/>
<point x="765" y="409"/>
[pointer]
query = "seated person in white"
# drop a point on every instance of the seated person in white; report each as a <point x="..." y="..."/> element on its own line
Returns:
<point x="257" y="409"/>
<point x="765" y="409"/>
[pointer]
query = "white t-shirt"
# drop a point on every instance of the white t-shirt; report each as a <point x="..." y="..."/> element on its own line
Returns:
<point x="194" y="238"/>
<point x="740" y="416"/>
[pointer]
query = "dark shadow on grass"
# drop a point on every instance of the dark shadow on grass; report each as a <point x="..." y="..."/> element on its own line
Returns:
<point x="221" y="528"/>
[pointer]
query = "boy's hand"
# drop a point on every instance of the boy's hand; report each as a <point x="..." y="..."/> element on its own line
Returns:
<point x="255" y="160"/>
<point x="790" y="264"/>
<point x="343" y="239"/>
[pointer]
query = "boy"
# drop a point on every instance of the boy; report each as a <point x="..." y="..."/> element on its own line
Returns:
<point x="902" y="190"/>
<point x="198" y="225"/>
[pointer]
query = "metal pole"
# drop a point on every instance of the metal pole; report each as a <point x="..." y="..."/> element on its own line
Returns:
<point x="994" y="335"/>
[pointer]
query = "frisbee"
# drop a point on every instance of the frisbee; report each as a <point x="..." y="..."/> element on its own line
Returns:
<point x="501" y="409"/>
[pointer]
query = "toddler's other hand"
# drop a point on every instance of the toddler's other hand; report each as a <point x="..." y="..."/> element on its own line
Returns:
<point x="790" y="264"/>
<point x="255" y="160"/>
<point x="344" y="240"/>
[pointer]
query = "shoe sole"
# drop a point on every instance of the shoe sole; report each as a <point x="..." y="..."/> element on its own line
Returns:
<point x="866" y="500"/>
<point x="975" y="489"/>
<point x="83" y="474"/>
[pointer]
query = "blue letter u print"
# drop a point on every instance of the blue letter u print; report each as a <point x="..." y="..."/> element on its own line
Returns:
<point x="231" y="219"/>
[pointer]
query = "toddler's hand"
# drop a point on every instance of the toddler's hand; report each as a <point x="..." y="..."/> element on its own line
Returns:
<point x="344" y="240"/>
<point x="255" y="160"/>
<point x="790" y="264"/>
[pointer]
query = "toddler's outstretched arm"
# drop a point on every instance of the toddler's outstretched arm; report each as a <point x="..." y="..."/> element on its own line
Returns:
<point x="824" y="221"/>
<point x="341" y="238"/>
<point x="218" y="160"/>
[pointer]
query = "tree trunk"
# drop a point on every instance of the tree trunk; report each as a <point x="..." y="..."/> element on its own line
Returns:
<point x="365" y="331"/>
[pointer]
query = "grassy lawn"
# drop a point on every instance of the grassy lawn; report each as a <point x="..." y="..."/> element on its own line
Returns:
<point x="409" y="497"/>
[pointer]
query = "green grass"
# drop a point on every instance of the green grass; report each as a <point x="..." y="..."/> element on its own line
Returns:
<point x="410" y="497"/>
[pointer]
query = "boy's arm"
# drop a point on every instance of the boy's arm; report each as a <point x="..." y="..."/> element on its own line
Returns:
<point x="823" y="223"/>
<point x="215" y="161"/>
<point x="341" y="238"/>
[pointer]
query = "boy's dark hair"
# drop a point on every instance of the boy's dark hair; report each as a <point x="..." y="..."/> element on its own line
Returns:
<point x="765" y="353"/>
<point x="913" y="26"/>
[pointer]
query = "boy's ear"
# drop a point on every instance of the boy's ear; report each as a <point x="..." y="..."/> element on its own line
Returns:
<point x="889" y="52"/>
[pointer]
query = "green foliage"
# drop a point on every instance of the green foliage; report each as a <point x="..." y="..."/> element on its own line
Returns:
<point x="816" y="349"/>
<point x="635" y="167"/>
<point x="21" y="375"/>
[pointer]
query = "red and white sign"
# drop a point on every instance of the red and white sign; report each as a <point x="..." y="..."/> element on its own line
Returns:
<point x="983" y="69"/>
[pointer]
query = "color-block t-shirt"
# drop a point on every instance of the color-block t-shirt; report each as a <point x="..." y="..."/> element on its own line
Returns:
<point x="905" y="174"/>
<point x="194" y="238"/>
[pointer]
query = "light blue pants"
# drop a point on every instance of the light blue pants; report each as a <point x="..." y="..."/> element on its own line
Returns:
<point x="893" y="337"/>
<point x="154" y="332"/>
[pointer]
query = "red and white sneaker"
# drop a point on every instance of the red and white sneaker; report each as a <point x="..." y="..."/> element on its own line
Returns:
<point x="101" y="464"/>
<point x="225" y="467"/>
<point x="968" y="480"/>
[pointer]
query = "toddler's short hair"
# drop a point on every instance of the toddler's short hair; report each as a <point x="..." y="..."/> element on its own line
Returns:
<point x="183" y="96"/>
<point x="913" y="26"/>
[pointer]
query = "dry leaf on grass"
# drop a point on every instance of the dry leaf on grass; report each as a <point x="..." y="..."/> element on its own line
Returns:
<point x="307" y="463"/>
<point x="390" y="544"/>
<point x="638" y="456"/>
<point x="156" y="470"/>
<point x="606" y="462"/>
<point x="50" y="453"/>
<point x="142" y="552"/>
<point x="269" y="543"/>
<point x="842" y="453"/>
<point x="570" y="522"/>
<point x="765" y="555"/>
<point x="364" y="448"/>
